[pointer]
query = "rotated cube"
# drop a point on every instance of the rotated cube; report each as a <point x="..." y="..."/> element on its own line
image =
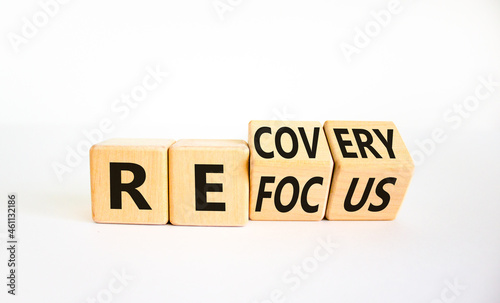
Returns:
<point x="372" y="170"/>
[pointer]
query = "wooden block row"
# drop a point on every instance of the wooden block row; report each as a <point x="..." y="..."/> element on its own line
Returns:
<point x="291" y="170"/>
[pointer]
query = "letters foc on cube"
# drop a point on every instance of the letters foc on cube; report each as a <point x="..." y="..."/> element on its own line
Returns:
<point x="129" y="181"/>
<point x="290" y="170"/>
<point x="372" y="170"/>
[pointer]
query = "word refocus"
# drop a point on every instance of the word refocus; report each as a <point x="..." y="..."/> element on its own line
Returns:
<point x="289" y="170"/>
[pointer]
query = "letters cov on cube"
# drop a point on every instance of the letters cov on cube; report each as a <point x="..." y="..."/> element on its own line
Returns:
<point x="290" y="170"/>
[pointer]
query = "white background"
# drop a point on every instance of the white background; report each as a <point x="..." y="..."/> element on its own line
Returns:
<point x="256" y="60"/>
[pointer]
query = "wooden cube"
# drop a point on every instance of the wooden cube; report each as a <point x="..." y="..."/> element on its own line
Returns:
<point x="372" y="170"/>
<point x="209" y="182"/>
<point x="290" y="170"/>
<point x="129" y="181"/>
